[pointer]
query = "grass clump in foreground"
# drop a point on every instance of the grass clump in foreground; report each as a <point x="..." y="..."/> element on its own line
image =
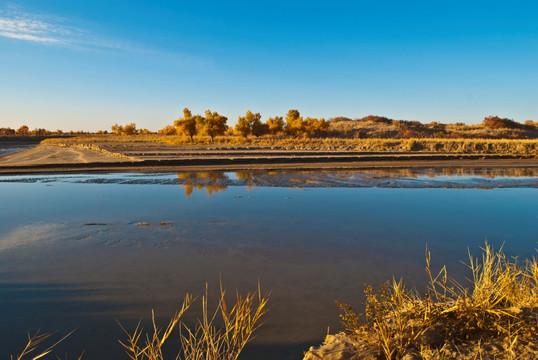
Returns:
<point x="495" y="318"/>
<point x="218" y="335"/>
<point x="35" y="343"/>
<point x="207" y="340"/>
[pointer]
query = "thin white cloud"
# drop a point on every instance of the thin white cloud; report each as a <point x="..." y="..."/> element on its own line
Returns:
<point x="55" y="31"/>
<point x="19" y="25"/>
<point x="29" y="37"/>
<point x="28" y="29"/>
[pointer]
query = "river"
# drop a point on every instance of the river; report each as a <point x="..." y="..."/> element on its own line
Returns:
<point x="84" y="251"/>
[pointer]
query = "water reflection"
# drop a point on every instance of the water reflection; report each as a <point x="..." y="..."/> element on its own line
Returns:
<point x="30" y="235"/>
<point x="210" y="181"/>
<point x="216" y="181"/>
<point x="86" y="250"/>
<point x="248" y="177"/>
<point x="479" y="178"/>
<point x="11" y="148"/>
<point x="455" y="171"/>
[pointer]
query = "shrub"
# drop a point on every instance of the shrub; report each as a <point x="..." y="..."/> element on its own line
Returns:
<point x="376" y="118"/>
<point x="168" y="130"/>
<point x="500" y="306"/>
<point x="496" y="122"/>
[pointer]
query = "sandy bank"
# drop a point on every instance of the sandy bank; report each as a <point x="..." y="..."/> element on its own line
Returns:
<point x="50" y="155"/>
<point x="142" y="157"/>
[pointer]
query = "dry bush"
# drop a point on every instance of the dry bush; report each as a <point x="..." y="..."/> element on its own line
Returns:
<point x="390" y="319"/>
<point x="500" y="306"/>
<point x="376" y="118"/>
<point x="497" y="122"/>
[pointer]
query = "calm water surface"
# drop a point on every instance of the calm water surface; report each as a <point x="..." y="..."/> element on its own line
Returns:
<point x="80" y="251"/>
<point x="10" y="148"/>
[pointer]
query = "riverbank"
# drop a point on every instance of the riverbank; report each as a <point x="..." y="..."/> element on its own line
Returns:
<point x="111" y="156"/>
<point x="493" y="317"/>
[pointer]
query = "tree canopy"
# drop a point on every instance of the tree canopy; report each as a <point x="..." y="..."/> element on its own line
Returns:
<point x="129" y="129"/>
<point x="213" y="124"/>
<point x="187" y="124"/>
<point x="251" y="124"/>
<point x="294" y="122"/>
<point x="275" y="125"/>
<point x="315" y="127"/>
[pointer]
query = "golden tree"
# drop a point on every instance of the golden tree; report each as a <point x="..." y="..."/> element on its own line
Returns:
<point x="315" y="127"/>
<point x="243" y="125"/>
<point x="213" y="124"/>
<point x="275" y="125"/>
<point x="251" y="124"/>
<point x="187" y="124"/>
<point x="294" y="122"/>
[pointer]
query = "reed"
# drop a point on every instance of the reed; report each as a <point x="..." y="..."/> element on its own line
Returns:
<point x="220" y="334"/>
<point x="36" y="347"/>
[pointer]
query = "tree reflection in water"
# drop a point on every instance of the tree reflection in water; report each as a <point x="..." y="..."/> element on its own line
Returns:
<point x="216" y="181"/>
<point x="249" y="177"/>
<point x="211" y="181"/>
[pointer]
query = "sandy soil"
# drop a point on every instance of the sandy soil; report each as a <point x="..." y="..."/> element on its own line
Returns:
<point x="49" y="154"/>
<point x="148" y="157"/>
<point x="344" y="347"/>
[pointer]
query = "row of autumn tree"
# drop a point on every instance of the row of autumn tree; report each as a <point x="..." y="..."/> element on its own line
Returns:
<point x="213" y="124"/>
<point x="24" y="130"/>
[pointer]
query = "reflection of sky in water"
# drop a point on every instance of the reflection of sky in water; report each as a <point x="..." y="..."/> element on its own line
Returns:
<point x="463" y="178"/>
<point x="11" y="149"/>
<point x="231" y="175"/>
<point x="29" y="235"/>
<point x="79" y="254"/>
<point x="82" y="178"/>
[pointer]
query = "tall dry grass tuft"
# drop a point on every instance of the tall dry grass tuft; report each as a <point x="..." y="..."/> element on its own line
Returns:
<point x="502" y="291"/>
<point x="221" y="334"/>
<point x="32" y="350"/>
<point x="499" y="307"/>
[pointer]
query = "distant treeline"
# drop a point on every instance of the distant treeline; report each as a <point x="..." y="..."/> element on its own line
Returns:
<point x="24" y="130"/>
<point x="213" y="124"/>
<point x="371" y="126"/>
<point x="294" y="125"/>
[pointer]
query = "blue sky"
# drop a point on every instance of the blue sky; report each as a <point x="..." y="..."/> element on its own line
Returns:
<point x="73" y="64"/>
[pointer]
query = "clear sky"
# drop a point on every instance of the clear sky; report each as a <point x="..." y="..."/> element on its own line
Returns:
<point x="74" y="64"/>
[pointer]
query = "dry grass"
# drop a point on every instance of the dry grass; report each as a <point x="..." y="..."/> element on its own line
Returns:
<point x="32" y="350"/>
<point x="218" y="335"/>
<point x="499" y="308"/>
<point x="221" y="334"/>
<point x="414" y="129"/>
<point x="519" y="147"/>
